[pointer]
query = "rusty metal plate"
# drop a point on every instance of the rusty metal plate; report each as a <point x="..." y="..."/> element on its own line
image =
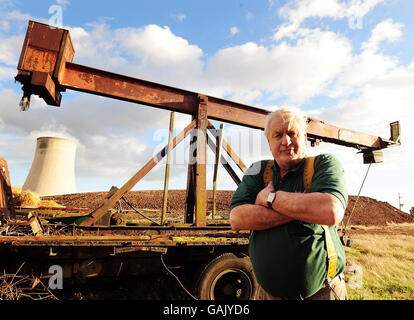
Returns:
<point x="39" y="60"/>
<point x="40" y="48"/>
<point x="45" y="36"/>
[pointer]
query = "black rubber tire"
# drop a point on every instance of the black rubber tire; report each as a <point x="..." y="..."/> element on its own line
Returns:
<point x="227" y="277"/>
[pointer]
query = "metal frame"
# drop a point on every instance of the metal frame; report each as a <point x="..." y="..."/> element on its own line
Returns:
<point x="45" y="68"/>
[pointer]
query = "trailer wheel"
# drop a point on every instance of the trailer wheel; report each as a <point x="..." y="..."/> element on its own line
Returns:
<point x="227" y="277"/>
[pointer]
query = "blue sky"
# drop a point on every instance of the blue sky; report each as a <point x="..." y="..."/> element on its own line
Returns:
<point x="347" y="62"/>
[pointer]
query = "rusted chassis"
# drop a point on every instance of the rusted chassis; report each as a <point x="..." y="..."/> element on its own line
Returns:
<point x="101" y="259"/>
<point x="88" y="252"/>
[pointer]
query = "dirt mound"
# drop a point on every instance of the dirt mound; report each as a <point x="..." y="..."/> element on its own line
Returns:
<point x="151" y="199"/>
<point x="367" y="211"/>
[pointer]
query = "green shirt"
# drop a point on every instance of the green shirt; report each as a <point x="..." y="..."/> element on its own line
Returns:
<point x="290" y="261"/>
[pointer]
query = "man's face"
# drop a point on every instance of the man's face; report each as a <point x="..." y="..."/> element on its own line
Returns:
<point x="286" y="143"/>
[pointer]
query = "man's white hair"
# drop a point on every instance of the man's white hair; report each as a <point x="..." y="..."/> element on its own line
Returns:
<point x="288" y="114"/>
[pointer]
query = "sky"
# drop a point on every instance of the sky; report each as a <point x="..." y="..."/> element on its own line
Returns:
<point x="349" y="63"/>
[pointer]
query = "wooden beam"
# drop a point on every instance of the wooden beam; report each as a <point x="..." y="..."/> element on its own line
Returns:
<point x="108" y="203"/>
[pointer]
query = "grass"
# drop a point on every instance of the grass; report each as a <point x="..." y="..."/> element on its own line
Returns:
<point x="385" y="263"/>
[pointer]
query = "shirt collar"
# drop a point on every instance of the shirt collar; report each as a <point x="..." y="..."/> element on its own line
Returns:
<point x="299" y="169"/>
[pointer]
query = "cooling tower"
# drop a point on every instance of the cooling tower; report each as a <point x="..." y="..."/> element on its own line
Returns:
<point x="53" y="167"/>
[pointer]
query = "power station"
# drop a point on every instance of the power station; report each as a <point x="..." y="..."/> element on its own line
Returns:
<point x="53" y="168"/>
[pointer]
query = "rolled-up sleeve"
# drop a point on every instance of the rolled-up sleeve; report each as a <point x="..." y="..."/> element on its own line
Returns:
<point x="329" y="177"/>
<point x="251" y="184"/>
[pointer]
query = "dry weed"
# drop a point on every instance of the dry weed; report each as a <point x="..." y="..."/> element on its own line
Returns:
<point x="28" y="198"/>
<point x="387" y="262"/>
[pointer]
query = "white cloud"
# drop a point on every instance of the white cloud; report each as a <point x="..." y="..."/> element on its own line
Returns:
<point x="386" y="30"/>
<point x="10" y="48"/>
<point x="151" y="52"/>
<point x="161" y="56"/>
<point x="369" y="66"/>
<point x="4" y="26"/>
<point x="296" y="12"/>
<point x="299" y="71"/>
<point x="157" y="46"/>
<point x="18" y="16"/>
<point x="97" y="47"/>
<point x="63" y="2"/>
<point x="7" y="74"/>
<point x="112" y="155"/>
<point x="359" y="71"/>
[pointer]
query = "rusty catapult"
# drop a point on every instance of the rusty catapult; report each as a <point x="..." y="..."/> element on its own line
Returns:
<point x="46" y="69"/>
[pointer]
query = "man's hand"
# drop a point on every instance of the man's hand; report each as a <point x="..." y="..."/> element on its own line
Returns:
<point x="261" y="198"/>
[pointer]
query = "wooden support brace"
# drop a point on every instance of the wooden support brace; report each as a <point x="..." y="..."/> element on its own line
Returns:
<point x="219" y="143"/>
<point x="6" y="195"/>
<point x="167" y="169"/>
<point x="190" y="195"/>
<point x="201" y="163"/>
<point x="95" y="215"/>
<point x="229" y="150"/>
<point x="224" y="162"/>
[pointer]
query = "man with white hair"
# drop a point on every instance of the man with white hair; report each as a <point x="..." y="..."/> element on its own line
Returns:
<point x="295" y="249"/>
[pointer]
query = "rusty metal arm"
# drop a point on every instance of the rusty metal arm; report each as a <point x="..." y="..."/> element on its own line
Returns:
<point x="318" y="130"/>
<point x="46" y="68"/>
<point x="108" y="84"/>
